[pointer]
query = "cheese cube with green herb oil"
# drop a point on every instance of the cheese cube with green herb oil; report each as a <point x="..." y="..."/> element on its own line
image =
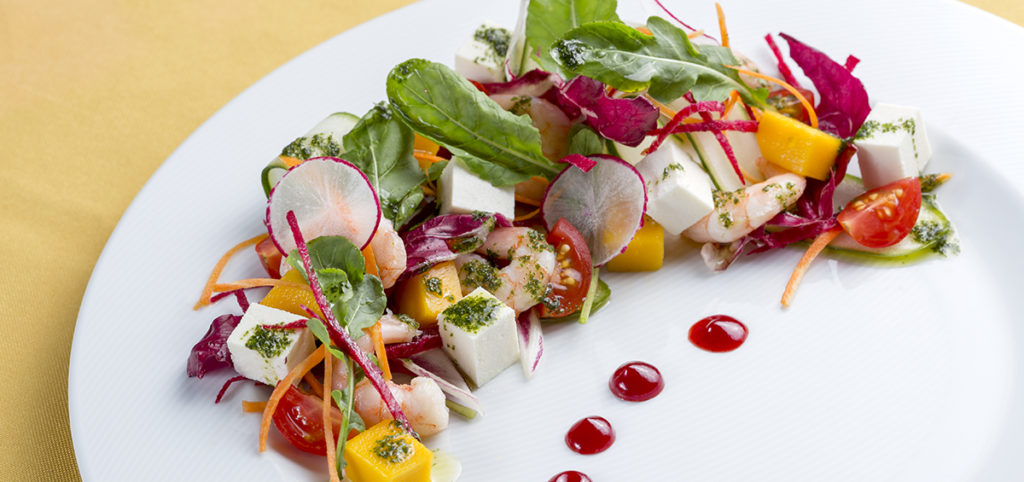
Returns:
<point x="892" y="145"/>
<point x="267" y="355"/>
<point x="482" y="57"/>
<point x="479" y="334"/>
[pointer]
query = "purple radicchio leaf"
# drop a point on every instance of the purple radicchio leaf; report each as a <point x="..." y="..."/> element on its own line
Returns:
<point x="534" y="83"/>
<point x="844" y="102"/>
<point x="211" y="353"/>
<point x="445" y="237"/>
<point x="626" y="120"/>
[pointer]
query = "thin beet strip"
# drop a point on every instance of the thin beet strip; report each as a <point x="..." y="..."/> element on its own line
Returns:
<point x="339" y="336"/>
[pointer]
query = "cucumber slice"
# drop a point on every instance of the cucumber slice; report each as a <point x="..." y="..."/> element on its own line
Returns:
<point x="933" y="232"/>
<point x="324" y="139"/>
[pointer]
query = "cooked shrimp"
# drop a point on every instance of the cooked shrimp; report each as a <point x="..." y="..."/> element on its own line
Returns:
<point x="737" y="213"/>
<point x="421" y="400"/>
<point x="392" y="330"/>
<point x="523" y="282"/>
<point x="389" y="252"/>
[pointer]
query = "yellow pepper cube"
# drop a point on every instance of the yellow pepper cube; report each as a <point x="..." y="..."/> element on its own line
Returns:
<point x="795" y="146"/>
<point x="291" y="299"/>
<point x="427" y="294"/>
<point x="387" y="453"/>
<point x="645" y="252"/>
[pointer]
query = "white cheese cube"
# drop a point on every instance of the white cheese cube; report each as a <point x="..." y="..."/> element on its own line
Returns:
<point x="462" y="192"/>
<point x="482" y="57"/>
<point x="679" y="192"/>
<point x="479" y="333"/>
<point x="268" y="355"/>
<point x="892" y="144"/>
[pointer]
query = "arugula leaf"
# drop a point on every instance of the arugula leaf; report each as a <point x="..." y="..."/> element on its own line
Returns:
<point x="493" y="173"/>
<point x="381" y="146"/>
<point x="318" y="330"/>
<point x="667" y="62"/>
<point x="444" y="107"/>
<point x="548" y="20"/>
<point x="584" y="141"/>
<point x="435" y="170"/>
<point x="357" y="299"/>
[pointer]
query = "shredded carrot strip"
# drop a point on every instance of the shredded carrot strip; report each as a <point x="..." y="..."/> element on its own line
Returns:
<point x="371" y="261"/>
<point x="644" y="30"/>
<point x="426" y="156"/>
<point x="734" y="97"/>
<point x="257" y="283"/>
<point x="757" y="113"/>
<point x="542" y="180"/>
<point x="428" y="191"/>
<point x="300" y="370"/>
<point x="528" y="215"/>
<point x="290" y="161"/>
<point x="721" y="25"/>
<point x="315" y="384"/>
<point x="252" y="407"/>
<point x="332" y="456"/>
<point x="204" y="299"/>
<point x="527" y="201"/>
<point x="781" y="83"/>
<point x="378" y="349"/>
<point x="812" y="252"/>
<point x="695" y="34"/>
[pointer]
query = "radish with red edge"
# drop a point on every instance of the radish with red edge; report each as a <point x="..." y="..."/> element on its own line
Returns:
<point x="606" y="204"/>
<point x="330" y="196"/>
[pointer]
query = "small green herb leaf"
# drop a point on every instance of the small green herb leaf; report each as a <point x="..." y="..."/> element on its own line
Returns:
<point x="547" y="20"/>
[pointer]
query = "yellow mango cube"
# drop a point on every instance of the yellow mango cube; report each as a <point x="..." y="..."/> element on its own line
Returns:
<point x="645" y="252"/>
<point x="427" y="294"/>
<point x="291" y="299"/>
<point x="387" y="453"/>
<point x="795" y="146"/>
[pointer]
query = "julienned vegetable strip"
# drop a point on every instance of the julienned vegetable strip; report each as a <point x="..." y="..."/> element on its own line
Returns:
<point x="781" y="83"/>
<point x="338" y="334"/>
<point x="256" y="283"/>
<point x="371" y="261"/>
<point x="315" y="384"/>
<point x="588" y="302"/>
<point x="204" y="299"/>
<point x="306" y="365"/>
<point x="328" y="428"/>
<point x="787" y="74"/>
<point x="721" y="24"/>
<point x="378" y="349"/>
<point x="816" y="247"/>
<point x="253" y="407"/>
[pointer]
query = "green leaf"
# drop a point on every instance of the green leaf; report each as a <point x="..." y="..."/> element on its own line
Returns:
<point x="667" y="62"/>
<point x="585" y="141"/>
<point x="444" y="107"/>
<point x="493" y="173"/>
<point x="381" y="146"/>
<point x="435" y="170"/>
<point x="548" y="20"/>
<point x="320" y="332"/>
<point x="357" y="299"/>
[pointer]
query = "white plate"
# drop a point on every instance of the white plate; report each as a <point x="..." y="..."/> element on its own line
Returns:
<point x="875" y="374"/>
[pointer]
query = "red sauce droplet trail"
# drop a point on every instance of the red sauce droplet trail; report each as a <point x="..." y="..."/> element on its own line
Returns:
<point x="636" y="382"/>
<point x="570" y="476"/>
<point x="718" y="333"/>
<point x="590" y="435"/>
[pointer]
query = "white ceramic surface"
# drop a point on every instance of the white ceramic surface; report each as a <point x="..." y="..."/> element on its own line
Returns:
<point x="911" y="373"/>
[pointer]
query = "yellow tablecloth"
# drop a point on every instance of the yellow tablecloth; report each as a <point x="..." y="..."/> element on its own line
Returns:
<point x="94" y="95"/>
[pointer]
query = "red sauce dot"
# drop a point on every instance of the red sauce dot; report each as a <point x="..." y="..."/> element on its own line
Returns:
<point x="590" y="435"/>
<point x="718" y="333"/>
<point x="570" y="476"/>
<point x="636" y="382"/>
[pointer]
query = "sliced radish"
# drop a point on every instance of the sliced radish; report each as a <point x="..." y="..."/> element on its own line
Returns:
<point x="606" y="204"/>
<point x="531" y="341"/>
<point x="436" y="365"/>
<point x="330" y="197"/>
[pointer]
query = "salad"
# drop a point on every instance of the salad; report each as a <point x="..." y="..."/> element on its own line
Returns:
<point x="416" y="251"/>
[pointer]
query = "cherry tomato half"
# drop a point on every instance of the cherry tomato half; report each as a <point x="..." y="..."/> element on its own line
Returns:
<point x="884" y="215"/>
<point x="270" y="257"/>
<point x="299" y="418"/>
<point x="570" y="249"/>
